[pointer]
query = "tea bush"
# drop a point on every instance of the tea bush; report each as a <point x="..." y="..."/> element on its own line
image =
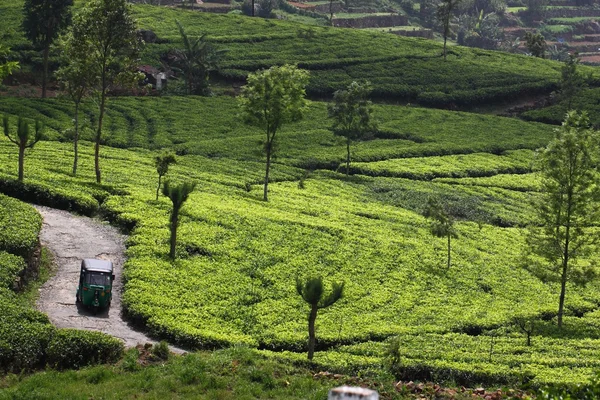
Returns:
<point x="72" y="348"/>
<point x="238" y="257"/>
<point x="20" y="224"/>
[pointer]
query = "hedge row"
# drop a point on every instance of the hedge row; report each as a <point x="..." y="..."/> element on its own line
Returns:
<point x="49" y="196"/>
<point x="19" y="224"/>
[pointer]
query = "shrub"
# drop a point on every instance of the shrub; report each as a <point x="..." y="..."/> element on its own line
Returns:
<point x="161" y="350"/>
<point x="72" y="348"/>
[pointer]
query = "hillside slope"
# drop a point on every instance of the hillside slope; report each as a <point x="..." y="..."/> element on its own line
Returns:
<point x="408" y="69"/>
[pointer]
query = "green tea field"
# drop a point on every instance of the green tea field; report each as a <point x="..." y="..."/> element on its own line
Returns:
<point x="233" y="281"/>
<point x="405" y="69"/>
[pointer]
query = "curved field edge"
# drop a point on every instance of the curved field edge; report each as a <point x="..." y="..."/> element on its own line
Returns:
<point x="238" y="257"/>
<point x="28" y="340"/>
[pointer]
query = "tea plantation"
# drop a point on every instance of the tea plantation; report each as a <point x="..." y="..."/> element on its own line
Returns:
<point x="407" y="69"/>
<point x="232" y="285"/>
<point x="233" y="281"/>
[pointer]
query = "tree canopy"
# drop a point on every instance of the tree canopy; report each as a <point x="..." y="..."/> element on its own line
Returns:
<point x="568" y="207"/>
<point x="42" y="23"/>
<point x="272" y="98"/>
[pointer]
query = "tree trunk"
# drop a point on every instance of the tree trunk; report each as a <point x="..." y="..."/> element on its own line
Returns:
<point x="76" y="138"/>
<point x="445" y="39"/>
<point x="266" y="186"/>
<point x="448" y="251"/>
<point x="563" y="277"/>
<point x="253" y="8"/>
<point x="98" y="136"/>
<point x="347" y="157"/>
<point x="21" y="160"/>
<point x="45" y="72"/>
<point x="331" y="12"/>
<point x="174" y="223"/>
<point x="158" y="188"/>
<point x="311" y="331"/>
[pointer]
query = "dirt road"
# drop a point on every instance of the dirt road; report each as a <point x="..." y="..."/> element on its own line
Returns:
<point x="71" y="238"/>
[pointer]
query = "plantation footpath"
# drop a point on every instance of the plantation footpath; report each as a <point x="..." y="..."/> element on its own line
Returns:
<point x="70" y="239"/>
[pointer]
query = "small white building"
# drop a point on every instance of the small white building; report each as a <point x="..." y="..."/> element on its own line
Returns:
<point x="352" y="393"/>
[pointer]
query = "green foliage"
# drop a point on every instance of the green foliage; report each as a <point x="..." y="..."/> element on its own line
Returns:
<point x="6" y="67"/>
<point x="195" y="61"/>
<point x="161" y="350"/>
<point x="583" y="391"/>
<point x="11" y="268"/>
<point x="569" y="203"/>
<point x="232" y="280"/>
<point x="587" y="100"/>
<point x="444" y="14"/>
<point x="572" y="82"/>
<point x="235" y="373"/>
<point x="536" y="44"/>
<point x="77" y="79"/>
<point x="351" y="112"/>
<point x="272" y="98"/>
<point x="312" y="292"/>
<point x="72" y="348"/>
<point x="42" y="23"/>
<point x="162" y="162"/>
<point x="442" y="222"/>
<point x="178" y="194"/>
<point x="104" y="34"/>
<point x="44" y="20"/>
<point x="22" y="139"/>
<point x="27" y="338"/>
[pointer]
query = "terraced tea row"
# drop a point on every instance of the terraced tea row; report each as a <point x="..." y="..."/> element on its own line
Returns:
<point x="399" y="68"/>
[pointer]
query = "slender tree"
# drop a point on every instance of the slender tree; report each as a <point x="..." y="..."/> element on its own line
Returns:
<point x="444" y="15"/>
<point x="271" y="98"/>
<point x="22" y="138"/>
<point x="42" y="23"/>
<point x="568" y="208"/>
<point x="535" y="11"/>
<point x="178" y="195"/>
<point x="352" y="115"/>
<point x="6" y="67"/>
<point x="162" y="162"/>
<point x="77" y="78"/>
<point x="106" y="31"/>
<point x="312" y="292"/>
<point x="195" y="61"/>
<point x="442" y="223"/>
<point x="572" y="81"/>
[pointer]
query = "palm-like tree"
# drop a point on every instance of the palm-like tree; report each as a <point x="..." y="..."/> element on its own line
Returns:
<point x="312" y="292"/>
<point x="22" y="139"/>
<point x="195" y="61"/>
<point x="178" y="195"/>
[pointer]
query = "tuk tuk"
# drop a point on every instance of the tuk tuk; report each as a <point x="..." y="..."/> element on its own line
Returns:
<point x="95" y="283"/>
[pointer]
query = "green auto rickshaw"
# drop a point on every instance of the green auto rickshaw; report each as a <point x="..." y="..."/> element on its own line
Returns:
<point x="95" y="283"/>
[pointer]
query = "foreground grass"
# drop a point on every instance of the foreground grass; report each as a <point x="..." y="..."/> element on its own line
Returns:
<point x="237" y="373"/>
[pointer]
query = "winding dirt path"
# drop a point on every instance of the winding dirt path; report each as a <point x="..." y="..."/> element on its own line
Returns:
<point x="71" y="238"/>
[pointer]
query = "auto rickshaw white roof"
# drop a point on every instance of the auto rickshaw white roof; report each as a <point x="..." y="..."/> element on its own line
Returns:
<point x="93" y="264"/>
